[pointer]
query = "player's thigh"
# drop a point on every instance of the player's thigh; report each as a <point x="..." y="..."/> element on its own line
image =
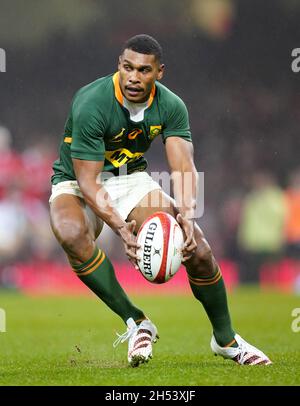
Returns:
<point x="73" y="223"/>
<point x="154" y="201"/>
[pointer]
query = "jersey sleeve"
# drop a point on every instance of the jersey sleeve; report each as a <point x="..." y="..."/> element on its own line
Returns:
<point x="87" y="133"/>
<point x="177" y="122"/>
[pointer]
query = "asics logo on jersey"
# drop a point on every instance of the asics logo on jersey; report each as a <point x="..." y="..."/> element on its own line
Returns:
<point x="134" y="133"/>
<point x="131" y="136"/>
<point x="118" y="137"/>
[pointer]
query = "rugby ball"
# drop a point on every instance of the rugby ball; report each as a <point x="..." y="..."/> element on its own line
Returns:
<point x="161" y="240"/>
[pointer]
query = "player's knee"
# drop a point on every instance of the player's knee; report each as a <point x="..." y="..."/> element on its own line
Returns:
<point x="204" y="252"/>
<point x="201" y="264"/>
<point x="202" y="256"/>
<point x="72" y="235"/>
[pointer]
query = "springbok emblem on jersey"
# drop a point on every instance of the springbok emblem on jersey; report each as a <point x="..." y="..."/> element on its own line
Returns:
<point x="118" y="137"/>
<point x="155" y="130"/>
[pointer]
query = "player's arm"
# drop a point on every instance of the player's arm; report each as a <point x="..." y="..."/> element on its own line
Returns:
<point x="98" y="199"/>
<point x="88" y="155"/>
<point x="179" y="149"/>
<point x="94" y="194"/>
<point x="180" y="156"/>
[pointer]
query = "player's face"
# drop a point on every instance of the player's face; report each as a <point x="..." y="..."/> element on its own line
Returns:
<point x="138" y="73"/>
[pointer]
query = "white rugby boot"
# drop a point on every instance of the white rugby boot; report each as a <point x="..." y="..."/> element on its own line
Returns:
<point x="244" y="354"/>
<point x="140" y="338"/>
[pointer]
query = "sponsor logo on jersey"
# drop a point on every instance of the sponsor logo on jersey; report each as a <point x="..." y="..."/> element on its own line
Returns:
<point x="122" y="156"/>
<point x="118" y="137"/>
<point x="155" y="130"/>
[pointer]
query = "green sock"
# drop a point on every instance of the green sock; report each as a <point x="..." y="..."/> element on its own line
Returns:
<point x="212" y="294"/>
<point x="98" y="274"/>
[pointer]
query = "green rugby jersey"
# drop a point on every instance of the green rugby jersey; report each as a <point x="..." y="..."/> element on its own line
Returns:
<point x="99" y="128"/>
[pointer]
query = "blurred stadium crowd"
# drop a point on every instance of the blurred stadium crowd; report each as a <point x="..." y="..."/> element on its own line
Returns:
<point x="230" y="63"/>
<point x="251" y="227"/>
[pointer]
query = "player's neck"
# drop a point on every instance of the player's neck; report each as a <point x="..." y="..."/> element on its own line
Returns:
<point x="136" y="110"/>
<point x="134" y="104"/>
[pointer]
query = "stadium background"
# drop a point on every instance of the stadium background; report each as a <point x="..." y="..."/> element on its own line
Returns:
<point x="231" y="63"/>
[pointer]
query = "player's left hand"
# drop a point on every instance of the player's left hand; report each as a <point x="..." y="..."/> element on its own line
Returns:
<point x="190" y="244"/>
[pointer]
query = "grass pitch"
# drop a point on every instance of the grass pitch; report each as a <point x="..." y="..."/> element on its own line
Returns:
<point x="68" y="341"/>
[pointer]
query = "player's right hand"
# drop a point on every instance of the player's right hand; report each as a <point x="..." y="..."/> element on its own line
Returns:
<point x="126" y="232"/>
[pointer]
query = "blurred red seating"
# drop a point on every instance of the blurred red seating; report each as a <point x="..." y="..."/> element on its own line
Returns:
<point x="283" y="275"/>
<point x="54" y="278"/>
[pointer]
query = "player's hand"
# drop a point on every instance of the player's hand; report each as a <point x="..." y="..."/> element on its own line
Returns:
<point x="190" y="244"/>
<point x="129" y="241"/>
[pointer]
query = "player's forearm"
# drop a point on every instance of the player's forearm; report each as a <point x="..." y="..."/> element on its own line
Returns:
<point x="100" y="202"/>
<point x="185" y="184"/>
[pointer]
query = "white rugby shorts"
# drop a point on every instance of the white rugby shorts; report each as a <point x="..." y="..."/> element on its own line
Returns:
<point x="125" y="191"/>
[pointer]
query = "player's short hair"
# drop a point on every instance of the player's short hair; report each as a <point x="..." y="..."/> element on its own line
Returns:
<point x="144" y="44"/>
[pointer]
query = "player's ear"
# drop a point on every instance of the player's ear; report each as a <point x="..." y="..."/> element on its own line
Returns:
<point x="119" y="61"/>
<point x="160" y="72"/>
